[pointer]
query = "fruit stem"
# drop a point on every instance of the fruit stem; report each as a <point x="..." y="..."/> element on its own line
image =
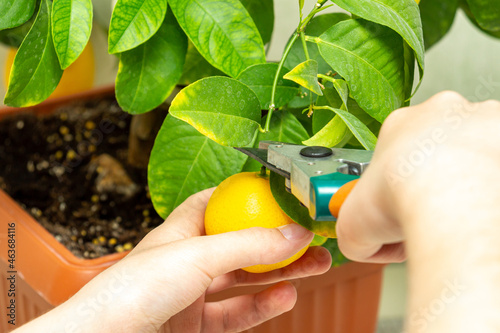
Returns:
<point x="263" y="171"/>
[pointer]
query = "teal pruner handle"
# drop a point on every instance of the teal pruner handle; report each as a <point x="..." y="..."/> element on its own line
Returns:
<point x="322" y="190"/>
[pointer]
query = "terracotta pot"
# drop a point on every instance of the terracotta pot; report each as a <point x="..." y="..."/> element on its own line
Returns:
<point x="344" y="300"/>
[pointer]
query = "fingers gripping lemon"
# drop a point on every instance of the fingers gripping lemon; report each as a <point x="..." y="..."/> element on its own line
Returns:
<point x="244" y="201"/>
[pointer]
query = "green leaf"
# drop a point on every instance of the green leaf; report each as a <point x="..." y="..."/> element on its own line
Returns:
<point x="183" y="162"/>
<point x="402" y="16"/>
<point x="437" y="18"/>
<point x="370" y="58"/>
<point x="222" y="31"/>
<point x="71" y="27"/>
<point x="357" y="128"/>
<point x="343" y="91"/>
<point x="196" y="67"/>
<point x="331" y="135"/>
<point x="335" y="101"/>
<point x="15" y="12"/>
<point x="284" y="128"/>
<point x="15" y="36"/>
<point x="465" y="7"/>
<point x="36" y="71"/>
<point x="318" y="25"/>
<point x="318" y="240"/>
<point x="148" y="73"/>
<point x="409" y="72"/>
<point x="221" y="108"/>
<point x="262" y="13"/>
<point x="337" y="257"/>
<point x="133" y="22"/>
<point x="486" y="13"/>
<point x="260" y="79"/>
<point x="300" y="214"/>
<point x="306" y="74"/>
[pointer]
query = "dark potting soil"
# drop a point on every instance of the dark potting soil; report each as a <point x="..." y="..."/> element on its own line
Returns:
<point x="69" y="171"/>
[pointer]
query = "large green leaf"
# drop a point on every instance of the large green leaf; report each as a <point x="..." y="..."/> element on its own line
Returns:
<point x="196" y="67"/>
<point x="465" y="7"/>
<point x="15" y="12"/>
<point x="335" y="101"/>
<point x="318" y="25"/>
<point x="402" y="16"/>
<point x="262" y="13"/>
<point x="71" y="27"/>
<point x="148" y="73"/>
<point x="221" y="108"/>
<point x="300" y="214"/>
<point x="15" y="36"/>
<point x="370" y="58"/>
<point x="260" y="79"/>
<point x="437" y="18"/>
<point x="330" y="135"/>
<point x="284" y="128"/>
<point x="36" y="71"/>
<point x="486" y="13"/>
<point x="222" y="31"/>
<point x="357" y="128"/>
<point x="306" y="74"/>
<point x="183" y="162"/>
<point x="133" y="22"/>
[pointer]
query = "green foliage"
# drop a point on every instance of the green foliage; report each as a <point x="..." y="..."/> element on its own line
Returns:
<point x="306" y="74"/>
<point x="374" y="68"/>
<point x="262" y="13"/>
<point x="15" y="12"/>
<point x="223" y="109"/>
<point x="71" y="27"/>
<point x="437" y="18"/>
<point x="133" y="22"/>
<point x="352" y="73"/>
<point x="486" y="13"/>
<point x="148" y="74"/>
<point x="36" y="70"/>
<point x="224" y="26"/>
<point x="402" y="16"/>
<point x="183" y="162"/>
<point x="260" y="78"/>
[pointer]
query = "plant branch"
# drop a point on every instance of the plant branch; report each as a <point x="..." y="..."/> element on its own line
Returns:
<point x="300" y="32"/>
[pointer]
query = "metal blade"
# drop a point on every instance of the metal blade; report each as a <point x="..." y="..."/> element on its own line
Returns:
<point x="260" y="155"/>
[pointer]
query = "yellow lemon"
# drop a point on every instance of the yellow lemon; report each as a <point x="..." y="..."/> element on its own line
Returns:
<point x="244" y="201"/>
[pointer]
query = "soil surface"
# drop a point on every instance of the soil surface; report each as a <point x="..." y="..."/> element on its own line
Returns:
<point x="69" y="171"/>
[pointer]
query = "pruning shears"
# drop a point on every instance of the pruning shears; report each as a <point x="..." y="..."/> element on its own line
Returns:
<point x="314" y="175"/>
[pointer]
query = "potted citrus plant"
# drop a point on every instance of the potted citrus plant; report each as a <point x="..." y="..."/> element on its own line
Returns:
<point x="339" y="77"/>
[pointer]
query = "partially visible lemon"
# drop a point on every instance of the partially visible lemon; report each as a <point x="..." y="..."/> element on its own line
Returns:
<point x="76" y="78"/>
<point x="244" y="201"/>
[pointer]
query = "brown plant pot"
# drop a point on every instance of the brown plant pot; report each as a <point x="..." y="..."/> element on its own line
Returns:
<point x="344" y="300"/>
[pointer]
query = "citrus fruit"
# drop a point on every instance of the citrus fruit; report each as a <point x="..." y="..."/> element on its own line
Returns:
<point x="244" y="201"/>
<point x="76" y="78"/>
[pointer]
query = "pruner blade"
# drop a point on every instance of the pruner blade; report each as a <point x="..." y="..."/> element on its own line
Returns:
<point x="260" y="155"/>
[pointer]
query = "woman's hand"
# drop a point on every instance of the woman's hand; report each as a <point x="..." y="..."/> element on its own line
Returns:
<point x="166" y="277"/>
<point x="432" y="194"/>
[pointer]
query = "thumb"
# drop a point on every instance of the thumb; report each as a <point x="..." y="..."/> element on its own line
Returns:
<point x="227" y="252"/>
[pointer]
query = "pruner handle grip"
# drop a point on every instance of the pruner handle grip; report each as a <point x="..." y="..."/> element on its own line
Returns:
<point x="340" y="196"/>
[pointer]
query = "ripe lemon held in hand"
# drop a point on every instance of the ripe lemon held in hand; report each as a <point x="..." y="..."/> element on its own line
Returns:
<point x="244" y="201"/>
